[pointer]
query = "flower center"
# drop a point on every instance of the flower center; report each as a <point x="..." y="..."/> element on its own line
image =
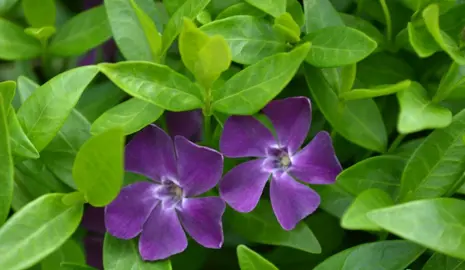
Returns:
<point x="278" y="159"/>
<point x="169" y="193"/>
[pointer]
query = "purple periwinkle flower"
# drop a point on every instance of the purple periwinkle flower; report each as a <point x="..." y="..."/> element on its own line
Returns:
<point x="280" y="158"/>
<point x="160" y="209"/>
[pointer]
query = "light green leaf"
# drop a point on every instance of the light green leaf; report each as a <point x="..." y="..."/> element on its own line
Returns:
<point x="355" y="217"/>
<point x="286" y="25"/>
<point x="7" y="90"/>
<point x="42" y="34"/>
<point x="151" y="33"/>
<point x="37" y="230"/>
<point x="69" y="252"/>
<point x="251" y="260"/>
<point x="296" y="10"/>
<point x="366" y="27"/>
<point x="250" y="38"/>
<point x="338" y="46"/>
<point x="437" y="165"/>
<point x="273" y="7"/>
<point x="320" y="14"/>
<point x="421" y="40"/>
<point x="81" y="33"/>
<point x="131" y="115"/>
<point x="261" y="226"/>
<point x="383" y="255"/>
<point x="380" y="90"/>
<point x="73" y="266"/>
<point x="26" y="87"/>
<point x="240" y="9"/>
<point x="40" y="118"/>
<point x="21" y="146"/>
<point x="204" y="17"/>
<point x="359" y="121"/>
<point x="98" y="169"/>
<point x="435" y="223"/>
<point x="252" y="88"/>
<point x="39" y="13"/>
<point x="452" y="85"/>
<point x="418" y="113"/>
<point x="348" y="75"/>
<point x="123" y="255"/>
<point x="154" y="83"/>
<point x="6" y="165"/>
<point x="443" y="262"/>
<point x="15" y="44"/>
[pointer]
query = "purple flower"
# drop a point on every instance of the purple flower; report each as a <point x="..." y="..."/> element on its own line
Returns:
<point x="159" y="210"/>
<point x="93" y="221"/>
<point x="280" y="158"/>
<point x="187" y="124"/>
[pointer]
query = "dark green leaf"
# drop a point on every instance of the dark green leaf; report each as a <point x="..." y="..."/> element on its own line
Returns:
<point x="421" y="40"/>
<point x="6" y="5"/>
<point x="452" y="85"/>
<point x="366" y="27"/>
<point x="21" y="146"/>
<point x="334" y="199"/>
<point x="416" y="5"/>
<point x="7" y="90"/>
<point x="39" y="13"/>
<point x="273" y="7"/>
<point x="69" y="252"/>
<point x="443" y="262"/>
<point x="72" y="266"/>
<point x="380" y="90"/>
<point x="251" y="260"/>
<point x="320" y="14"/>
<point x="6" y="165"/>
<point x="296" y="10"/>
<point x="240" y="9"/>
<point x="15" y="44"/>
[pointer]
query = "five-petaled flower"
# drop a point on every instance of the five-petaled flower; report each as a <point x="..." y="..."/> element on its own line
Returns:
<point x="160" y="209"/>
<point x="280" y="158"/>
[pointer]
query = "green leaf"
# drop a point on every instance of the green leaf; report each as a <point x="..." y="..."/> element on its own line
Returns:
<point x="21" y="146"/>
<point x="69" y="252"/>
<point x="359" y="121"/>
<point x="366" y="27"/>
<point x="431" y="18"/>
<point x="416" y="5"/>
<point x="348" y="75"/>
<point x="73" y="266"/>
<point x="26" y="87"/>
<point x="435" y="223"/>
<point x="437" y="165"/>
<point x="261" y="226"/>
<point x="40" y="117"/>
<point x="42" y="34"/>
<point x="286" y="25"/>
<point x="7" y="90"/>
<point x="204" y="17"/>
<point x="421" y="40"/>
<point x="81" y="33"/>
<point x="252" y="88"/>
<point x="334" y="199"/>
<point x="123" y="254"/>
<point x="320" y="14"/>
<point x="338" y="46"/>
<point x="452" y="85"/>
<point x="39" y="13"/>
<point x="131" y="115"/>
<point x="273" y="7"/>
<point x="6" y="5"/>
<point x="296" y="10"/>
<point x="250" y="38"/>
<point x="37" y="230"/>
<point x="355" y="217"/>
<point x="380" y="90"/>
<point x="154" y="83"/>
<point x="6" y="165"/>
<point x="190" y="9"/>
<point x="418" y="113"/>
<point x="251" y="260"/>
<point x="240" y="9"/>
<point x="151" y="33"/>
<point x="15" y="44"/>
<point x="383" y="255"/>
<point x="98" y="169"/>
<point x="443" y="262"/>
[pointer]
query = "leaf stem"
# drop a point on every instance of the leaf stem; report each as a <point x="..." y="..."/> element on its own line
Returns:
<point x="387" y="17"/>
<point x="396" y="143"/>
<point x="206" y="129"/>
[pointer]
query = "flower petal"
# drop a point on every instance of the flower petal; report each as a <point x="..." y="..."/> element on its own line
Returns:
<point x="162" y="235"/>
<point x="151" y="153"/>
<point x="89" y="58"/>
<point x="187" y="124"/>
<point x="93" y="219"/>
<point x="291" y="200"/>
<point x="245" y="136"/>
<point x="317" y="162"/>
<point x="126" y="215"/>
<point x="291" y="118"/>
<point x="199" y="168"/>
<point x="243" y="185"/>
<point x="201" y="218"/>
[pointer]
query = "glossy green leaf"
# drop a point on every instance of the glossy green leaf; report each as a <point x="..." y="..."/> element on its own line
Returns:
<point x="151" y="33"/>
<point x="15" y="44"/>
<point x="37" y="230"/>
<point x="131" y="115"/>
<point x="189" y="9"/>
<point x="154" y="83"/>
<point x="334" y="199"/>
<point x="39" y="13"/>
<point x="40" y="118"/>
<point x="123" y="254"/>
<point x="250" y="38"/>
<point x="366" y="27"/>
<point x="421" y="40"/>
<point x="286" y="25"/>
<point x="359" y="121"/>
<point x="6" y="165"/>
<point x="443" y="262"/>
<point x="296" y="10"/>
<point x="204" y="17"/>
<point x="452" y="85"/>
<point x="81" y="33"/>
<point x="251" y="260"/>
<point x="273" y="7"/>
<point x="252" y="88"/>
<point x="418" y="113"/>
<point x="355" y="217"/>
<point x="380" y="90"/>
<point x="437" y="165"/>
<point x="21" y="146"/>
<point x="447" y="43"/>
<point x="98" y="169"/>
<point x="26" y="87"/>
<point x="435" y="223"/>
<point x="69" y="252"/>
<point x="320" y="14"/>
<point x="240" y="9"/>
<point x="261" y="226"/>
<point x="338" y="46"/>
<point x="42" y="34"/>
<point x="383" y="255"/>
<point x="348" y="75"/>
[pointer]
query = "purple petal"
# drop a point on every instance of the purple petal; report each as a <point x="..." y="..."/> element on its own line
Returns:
<point x="317" y="162"/>
<point x="126" y="215"/>
<point x="187" y="124"/>
<point x="93" y="247"/>
<point x="162" y="236"/>
<point x="151" y="153"/>
<point x="243" y="185"/>
<point x="291" y="119"/>
<point x="89" y="58"/>
<point x="201" y="218"/>
<point x="291" y="200"/>
<point x="88" y="4"/>
<point x="199" y="168"/>
<point x="245" y="136"/>
<point x="93" y="219"/>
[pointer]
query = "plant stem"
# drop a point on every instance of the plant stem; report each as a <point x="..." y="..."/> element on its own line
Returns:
<point x="387" y="17"/>
<point x="206" y="129"/>
<point x="396" y="143"/>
